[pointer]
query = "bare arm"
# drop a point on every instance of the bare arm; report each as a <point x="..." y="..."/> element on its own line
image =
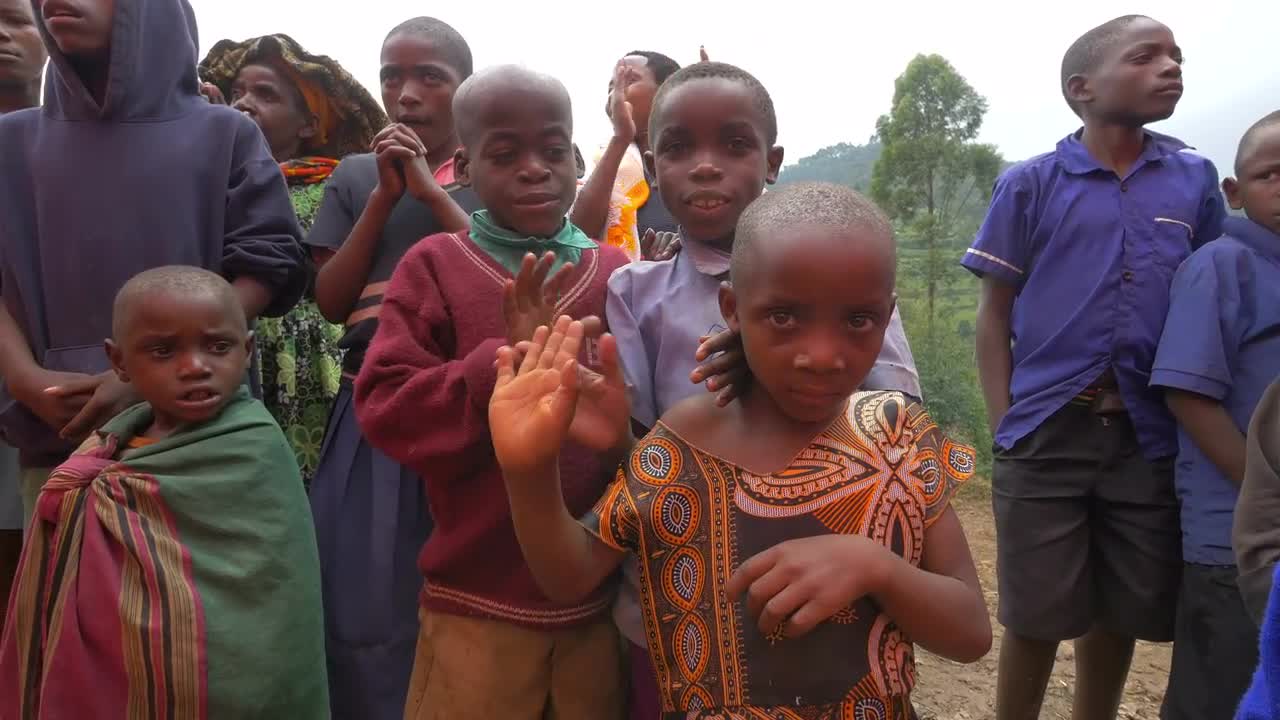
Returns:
<point x="1211" y="429"/>
<point x="254" y="296"/>
<point x="995" y="359"/>
<point x="343" y="276"/>
<point x="591" y="209"/>
<point x="16" y="360"/>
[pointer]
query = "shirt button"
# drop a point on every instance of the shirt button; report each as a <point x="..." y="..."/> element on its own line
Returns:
<point x="1124" y="187"/>
<point x="1128" y="275"/>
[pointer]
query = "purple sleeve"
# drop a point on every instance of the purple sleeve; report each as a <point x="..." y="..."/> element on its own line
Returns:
<point x="1213" y="210"/>
<point x="636" y="365"/>
<point x="895" y="368"/>
<point x="262" y="238"/>
<point x="1202" y="333"/>
<point x="1002" y="246"/>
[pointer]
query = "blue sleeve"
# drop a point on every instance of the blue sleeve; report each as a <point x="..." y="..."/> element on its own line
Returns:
<point x="1202" y="334"/>
<point x="895" y="368"/>
<point x="1002" y="246"/>
<point x="637" y="366"/>
<point x="1213" y="210"/>
<point x="262" y="238"/>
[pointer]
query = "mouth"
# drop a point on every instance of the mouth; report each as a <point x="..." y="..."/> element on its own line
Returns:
<point x="53" y="10"/>
<point x="414" y="121"/>
<point x="199" y="399"/>
<point x="7" y="53"/>
<point x="706" y="201"/>
<point x="1170" y="90"/>
<point x="818" y="395"/>
<point x="537" y="201"/>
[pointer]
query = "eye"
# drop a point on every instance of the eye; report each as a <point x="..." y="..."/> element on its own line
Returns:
<point x="739" y="145"/>
<point x="160" y="352"/>
<point x="556" y="154"/>
<point x="782" y="319"/>
<point x="861" y="322"/>
<point x="220" y="347"/>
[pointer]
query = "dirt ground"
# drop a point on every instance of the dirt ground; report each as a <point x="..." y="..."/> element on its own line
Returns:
<point x="948" y="691"/>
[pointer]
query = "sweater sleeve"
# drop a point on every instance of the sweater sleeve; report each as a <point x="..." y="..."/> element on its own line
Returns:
<point x="1255" y="535"/>
<point x="262" y="238"/>
<point x="423" y="408"/>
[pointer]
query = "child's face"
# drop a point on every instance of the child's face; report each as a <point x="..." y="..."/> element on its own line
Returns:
<point x="185" y="354"/>
<point x="641" y="87"/>
<point x="520" y="161"/>
<point x="812" y="304"/>
<point x="81" y="28"/>
<point x="1139" y="81"/>
<point x="22" y="52"/>
<point x="418" y="84"/>
<point x="711" y="157"/>
<point x="1257" y="189"/>
<point x="274" y="103"/>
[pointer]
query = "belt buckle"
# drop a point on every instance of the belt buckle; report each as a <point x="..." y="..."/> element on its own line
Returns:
<point x="1107" y="403"/>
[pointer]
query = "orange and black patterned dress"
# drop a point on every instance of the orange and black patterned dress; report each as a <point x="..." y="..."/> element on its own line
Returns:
<point x="884" y="471"/>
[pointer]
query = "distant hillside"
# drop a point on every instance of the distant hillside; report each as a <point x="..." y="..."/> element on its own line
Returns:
<point x="844" y="164"/>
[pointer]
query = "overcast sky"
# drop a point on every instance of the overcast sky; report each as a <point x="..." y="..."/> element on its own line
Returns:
<point x="829" y="66"/>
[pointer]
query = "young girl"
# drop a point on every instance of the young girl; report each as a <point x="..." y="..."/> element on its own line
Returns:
<point x="313" y="114"/>
<point x="777" y="533"/>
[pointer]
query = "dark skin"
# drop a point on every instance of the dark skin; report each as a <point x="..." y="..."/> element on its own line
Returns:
<point x="22" y="57"/>
<point x="813" y="314"/>
<point x="82" y="30"/>
<point x="1256" y="190"/>
<point x="185" y="353"/>
<point x="418" y="85"/>
<point x="1137" y="81"/>
<point x="274" y="103"/>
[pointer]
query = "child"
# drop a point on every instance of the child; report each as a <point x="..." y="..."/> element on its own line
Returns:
<point x="313" y="114"/>
<point x="617" y="203"/>
<point x="779" y="533"/>
<point x="171" y="568"/>
<point x="659" y="312"/>
<point x="370" y="512"/>
<point x="491" y="644"/>
<point x="1262" y="700"/>
<point x="125" y="168"/>
<point x="1219" y="352"/>
<point x="1255" y="533"/>
<point x="1076" y="256"/>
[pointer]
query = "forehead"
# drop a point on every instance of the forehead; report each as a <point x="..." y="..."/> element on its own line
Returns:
<point x="408" y="49"/>
<point x="808" y="261"/>
<point x="1263" y="146"/>
<point x="516" y="107"/>
<point x="162" y="312"/>
<point x="709" y="103"/>
<point x="1142" y="31"/>
<point x="259" y="72"/>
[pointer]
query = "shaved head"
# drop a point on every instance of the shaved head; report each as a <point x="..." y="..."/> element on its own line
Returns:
<point x="1250" y="139"/>
<point x="497" y="84"/>
<point x="1087" y="52"/>
<point x="167" y="282"/>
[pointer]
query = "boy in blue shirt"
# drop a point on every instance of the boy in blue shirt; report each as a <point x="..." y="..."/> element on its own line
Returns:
<point x="1219" y="352"/>
<point x="1076" y="255"/>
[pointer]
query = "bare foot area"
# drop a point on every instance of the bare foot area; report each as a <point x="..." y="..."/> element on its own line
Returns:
<point x="949" y="691"/>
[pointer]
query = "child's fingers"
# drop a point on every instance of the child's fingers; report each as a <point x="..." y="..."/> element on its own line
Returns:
<point x="506" y="366"/>
<point x="85" y="386"/>
<point x="646" y="244"/>
<point x="510" y="302"/>
<point x="547" y="359"/>
<point x="712" y="370"/>
<point x="592" y="327"/>
<point x="751" y="570"/>
<point x="777" y="611"/>
<point x="540" y="273"/>
<point x="572" y="337"/>
<point x="523" y="279"/>
<point x="718" y="343"/>
<point x="552" y="289"/>
<point x="805" y="619"/>
<point x="610" y="363"/>
<point x="531" y="358"/>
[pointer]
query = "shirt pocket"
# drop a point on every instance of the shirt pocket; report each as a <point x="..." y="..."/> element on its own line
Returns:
<point x="1171" y="243"/>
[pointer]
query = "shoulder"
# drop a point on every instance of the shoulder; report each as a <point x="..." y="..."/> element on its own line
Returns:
<point x="1029" y="173"/>
<point x="1176" y="153"/>
<point x="642" y="275"/>
<point x="17" y="120"/>
<point x="355" y="169"/>
<point x="1224" y="257"/>
<point x="611" y="259"/>
<point x="691" y="417"/>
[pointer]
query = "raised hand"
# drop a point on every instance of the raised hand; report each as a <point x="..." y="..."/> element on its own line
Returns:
<point x="620" y="111"/>
<point x="722" y="365"/>
<point x="602" y="419"/>
<point x="529" y="301"/>
<point x="395" y="146"/>
<point x="212" y="94"/>
<point x="532" y="406"/>
<point x="702" y="54"/>
<point x="658" y="246"/>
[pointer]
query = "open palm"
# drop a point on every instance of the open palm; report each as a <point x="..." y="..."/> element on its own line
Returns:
<point x="603" y="416"/>
<point x="532" y="406"/>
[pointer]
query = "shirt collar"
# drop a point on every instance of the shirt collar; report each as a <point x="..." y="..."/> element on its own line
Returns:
<point x="1075" y="157"/>
<point x="1254" y="236"/>
<point x="707" y="259"/>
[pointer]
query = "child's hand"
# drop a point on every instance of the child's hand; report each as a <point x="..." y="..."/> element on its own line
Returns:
<point x="659" y="246"/>
<point x="722" y="365"/>
<point x="212" y="94"/>
<point x="624" y="121"/>
<point x="795" y="585"/>
<point x="702" y="54"/>
<point x="419" y="180"/>
<point x="533" y="406"/>
<point x="110" y="398"/>
<point x="602" y="420"/>
<point x="529" y="301"/>
<point x="394" y="147"/>
<point x="54" y="397"/>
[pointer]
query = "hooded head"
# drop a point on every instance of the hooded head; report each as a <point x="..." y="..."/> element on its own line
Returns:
<point x="149" y="62"/>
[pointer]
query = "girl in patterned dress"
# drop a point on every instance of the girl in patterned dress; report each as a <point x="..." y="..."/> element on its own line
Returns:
<point x="794" y="545"/>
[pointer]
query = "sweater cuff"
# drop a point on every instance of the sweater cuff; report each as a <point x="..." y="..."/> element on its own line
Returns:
<point x="480" y="373"/>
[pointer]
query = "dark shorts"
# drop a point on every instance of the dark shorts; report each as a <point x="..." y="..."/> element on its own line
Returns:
<point x="1216" y="647"/>
<point x="1087" y="531"/>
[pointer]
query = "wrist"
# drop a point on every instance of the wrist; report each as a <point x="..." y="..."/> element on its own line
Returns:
<point x="381" y="200"/>
<point x="20" y="381"/>
<point x="880" y="565"/>
<point x="620" y="141"/>
<point x="429" y="194"/>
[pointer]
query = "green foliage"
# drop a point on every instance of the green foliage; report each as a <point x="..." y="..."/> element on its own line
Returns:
<point x="843" y="164"/>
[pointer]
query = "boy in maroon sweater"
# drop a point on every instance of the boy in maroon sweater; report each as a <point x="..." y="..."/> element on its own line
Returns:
<point x="491" y="643"/>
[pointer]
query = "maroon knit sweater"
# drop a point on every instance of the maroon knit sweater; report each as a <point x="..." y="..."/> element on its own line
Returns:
<point x="422" y="397"/>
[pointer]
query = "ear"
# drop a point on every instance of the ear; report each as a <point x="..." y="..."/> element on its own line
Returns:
<point x="462" y="167"/>
<point x="116" y="356"/>
<point x="651" y="166"/>
<point x="310" y="129"/>
<point x="775" y="164"/>
<point x="1078" y="90"/>
<point x="729" y="306"/>
<point x="1231" y="188"/>
<point x="250" y="342"/>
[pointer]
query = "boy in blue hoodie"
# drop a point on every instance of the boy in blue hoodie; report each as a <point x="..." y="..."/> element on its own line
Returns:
<point x="125" y="168"/>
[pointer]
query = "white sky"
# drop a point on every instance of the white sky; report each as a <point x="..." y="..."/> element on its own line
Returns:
<point x="829" y="66"/>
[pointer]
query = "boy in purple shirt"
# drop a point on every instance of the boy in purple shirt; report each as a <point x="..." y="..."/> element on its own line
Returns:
<point x="1219" y="352"/>
<point x="1077" y="255"/>
<point x="713" y="132"/>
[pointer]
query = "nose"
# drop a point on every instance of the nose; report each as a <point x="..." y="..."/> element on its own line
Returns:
<point x="821" y="354"/>
<point x="244" y="105"/>
<point x="193" y="366"/>
<point x="533" y="171"/>
<point x="410" y="95"/>
<point x="1172" y="68"/>
<point x="705" y="168"/>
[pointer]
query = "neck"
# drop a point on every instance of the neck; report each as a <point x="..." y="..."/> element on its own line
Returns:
<point x="19" y="96"/>
<point x="94" y="73"/>
<point x="443" y="152"/>
<point x="763" y="415"/>
<point x="1115" y="147"/>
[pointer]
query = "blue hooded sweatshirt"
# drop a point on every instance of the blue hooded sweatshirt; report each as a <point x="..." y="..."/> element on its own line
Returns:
<point x="91" y="195"/>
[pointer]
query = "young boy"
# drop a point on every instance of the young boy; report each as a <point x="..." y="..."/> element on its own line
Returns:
<point x="126" y="167"/>
<point x="371" y="512"/>
<point x="23" y="59"/>
<point x="778" y="534"/>
<point x="1076" y="255"/>
<point x="714" y="136"/>
<point x="171" y="568"/>
<point x="491" y="644"/>
<point x="1219" y="352"/>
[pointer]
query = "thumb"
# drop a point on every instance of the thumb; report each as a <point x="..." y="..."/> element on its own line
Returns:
<point x="506" y="367"/>
<point x="610" y="365"/>
<point x="83" y="386"/>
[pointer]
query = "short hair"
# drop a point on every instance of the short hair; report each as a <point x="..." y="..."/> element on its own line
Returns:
<point x="464" y="115"/>
<point x="817" y="204"/>
<point x="442" y="33"/>
<point x="660" y="65"/>
<point x="718" y="71"/>
<point x="1250" y="137"/>
<point x="181" y="280"/>
<point x="1089" y="49"/>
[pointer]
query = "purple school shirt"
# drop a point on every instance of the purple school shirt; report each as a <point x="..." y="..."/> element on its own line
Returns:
<point x="1222" y="340"/>
<point x="1092" y="256"/>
